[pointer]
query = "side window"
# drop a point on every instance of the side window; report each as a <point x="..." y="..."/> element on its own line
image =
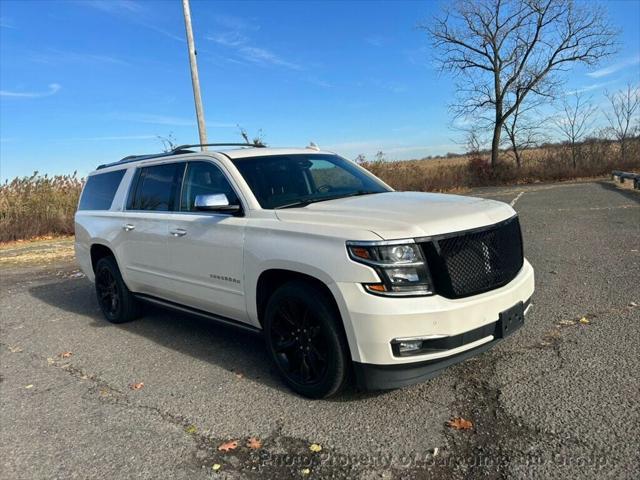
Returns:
<point x="157" y="188"/>
<point x="204" y="178"/>
<point x="99" y="191"/>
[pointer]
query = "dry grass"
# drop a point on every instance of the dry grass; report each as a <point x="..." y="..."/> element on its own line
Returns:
<point x="44" y="255"/>
<point x="38" y="205"/>
<point x="43" y="250"/>
<point x="549" y="164"/>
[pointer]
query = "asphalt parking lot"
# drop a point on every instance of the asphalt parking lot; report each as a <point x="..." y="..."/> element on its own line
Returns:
<point x="558" y="399"/>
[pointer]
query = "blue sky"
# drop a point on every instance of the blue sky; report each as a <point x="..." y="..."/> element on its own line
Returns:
<point x="84" y="82"/>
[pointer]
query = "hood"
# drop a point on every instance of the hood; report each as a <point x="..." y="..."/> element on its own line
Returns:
<point x="395" y="215"/>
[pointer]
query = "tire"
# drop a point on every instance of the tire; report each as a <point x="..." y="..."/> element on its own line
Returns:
<point x="117" y="303"/>
<point x="305" y="339"/>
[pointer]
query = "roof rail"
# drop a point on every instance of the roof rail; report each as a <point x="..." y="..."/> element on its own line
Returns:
<point x="255" y="145"/>
<point x="176" y="151"/>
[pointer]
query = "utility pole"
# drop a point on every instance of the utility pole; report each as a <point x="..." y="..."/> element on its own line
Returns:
<point x="194" y="74"/>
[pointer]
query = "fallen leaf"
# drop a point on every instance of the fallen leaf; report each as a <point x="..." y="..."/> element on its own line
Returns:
<point x="633" y="304"/>
<point x="15" y="349"/>
<point x="254" y="443"/>
<point x="191" y="429"/>
<point x="460" y="423"/>
<point x="305" y="471"/>
<point x="566" y="323"/>
<point x="215" y="467"/>
<point x="228" y="446"/>
<point x="315" y="447"/>
<point x="584" y="321"/>
<point x="29" y="386"/>
<point x="65" y="354"/>
<point x="136" y="386"/>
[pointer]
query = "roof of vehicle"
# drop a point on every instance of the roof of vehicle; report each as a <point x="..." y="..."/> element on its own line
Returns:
<point x="263" y="152"/>
<point x="246" y="151"/>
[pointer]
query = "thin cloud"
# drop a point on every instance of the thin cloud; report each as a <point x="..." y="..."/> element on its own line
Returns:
<point x="391" y="86"/>
<point x="53" y="89"/>
<point x="6" y="23"/>
<point x="113" y="5"/>
<point x="229" y="39"/>
<point x="616" y="67"/>
<point x="54" y="56"/>
<point x="376" y="40"/>
<point x="232" y="22"/>
<point x="589" y="88"/>
<point x="262" y="56"/>
<point x="162" y="31"/>
<point x="132" y="11"/>
<point x="154" y="119"/>
<point x="120" y="137"/>
<point x="241" y="45"/>
<point x="318" y="82"/>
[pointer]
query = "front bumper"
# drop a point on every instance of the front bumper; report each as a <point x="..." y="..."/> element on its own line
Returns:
<point x="385" y="377"/>
<point x="372" y="322"/>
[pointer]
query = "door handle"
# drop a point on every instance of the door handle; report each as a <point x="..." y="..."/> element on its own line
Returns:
<point x="127" y="227"/>
<point x="178" y="232"/>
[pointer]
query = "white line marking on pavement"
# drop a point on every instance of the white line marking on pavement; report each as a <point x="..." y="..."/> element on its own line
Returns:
<point x="513" y="202"/>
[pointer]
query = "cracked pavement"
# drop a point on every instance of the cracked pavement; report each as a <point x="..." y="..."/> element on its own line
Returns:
<point x="558" y="399"/>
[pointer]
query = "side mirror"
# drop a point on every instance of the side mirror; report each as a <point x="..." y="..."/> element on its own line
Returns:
<point x="217" y="202"/>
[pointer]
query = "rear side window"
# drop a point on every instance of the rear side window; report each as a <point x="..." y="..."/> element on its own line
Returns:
<point x="99" y="191"/>
<point x="157" y="188"/>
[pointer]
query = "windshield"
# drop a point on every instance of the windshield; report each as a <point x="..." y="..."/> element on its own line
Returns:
<point x="287" y="181"/>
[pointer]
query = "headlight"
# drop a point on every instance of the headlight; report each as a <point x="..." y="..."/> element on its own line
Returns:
<point x="402" y="268"/>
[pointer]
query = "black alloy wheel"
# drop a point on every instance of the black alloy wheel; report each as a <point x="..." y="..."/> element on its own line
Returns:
<point x="306" y="341"/>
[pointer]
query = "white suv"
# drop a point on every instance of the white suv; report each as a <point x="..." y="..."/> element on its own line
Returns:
<point x="344" y="276"/>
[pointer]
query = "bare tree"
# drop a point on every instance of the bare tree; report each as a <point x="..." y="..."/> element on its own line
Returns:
<point x="168" y="142"/>
<point x="504" y="50"/>
<point x="361" y="158"/>
<point x="624" y="120"/>
<point x="257" y="141"/>
<point x="524" y="128"/>
<point x="574" y="121"/>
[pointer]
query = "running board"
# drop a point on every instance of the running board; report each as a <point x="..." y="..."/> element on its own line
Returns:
<point x="197" y="313"/>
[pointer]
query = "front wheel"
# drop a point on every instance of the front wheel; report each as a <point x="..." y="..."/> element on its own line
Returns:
<point x="305" y="340"/>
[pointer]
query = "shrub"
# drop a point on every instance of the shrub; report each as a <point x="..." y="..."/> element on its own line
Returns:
<point x="38" y="205"/>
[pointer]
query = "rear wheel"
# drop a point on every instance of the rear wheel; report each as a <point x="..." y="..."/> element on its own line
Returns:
<point x="305" y="340"/>
<point x="117" y="303"/>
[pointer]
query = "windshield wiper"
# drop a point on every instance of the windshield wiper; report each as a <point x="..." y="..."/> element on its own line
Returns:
<point x="304" y="203"/>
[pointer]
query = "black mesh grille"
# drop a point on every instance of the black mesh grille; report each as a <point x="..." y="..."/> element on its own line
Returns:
<point x="476" y="261"/>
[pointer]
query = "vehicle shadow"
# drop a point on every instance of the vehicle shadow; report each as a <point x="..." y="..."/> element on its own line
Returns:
<point x="233" y="349"/>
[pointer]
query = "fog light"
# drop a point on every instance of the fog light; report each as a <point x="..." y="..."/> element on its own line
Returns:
<point x="409" y="346"/>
